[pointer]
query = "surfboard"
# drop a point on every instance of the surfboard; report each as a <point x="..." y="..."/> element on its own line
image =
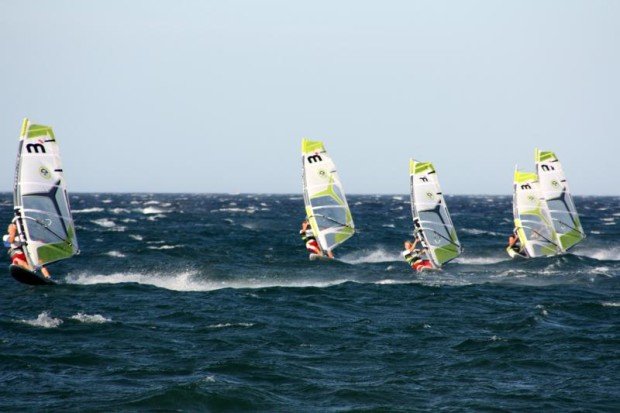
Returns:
<point x="28" y="277"/>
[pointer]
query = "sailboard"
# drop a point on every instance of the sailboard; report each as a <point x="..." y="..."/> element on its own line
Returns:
<point x="531" y="218"/>
<point x="25" y="276"/>
<point x="327" y="209"/>
<point x="431" y="219"/>
<point x="41" y="203"/>
<point x="317" y="257"/>
<point x="555" y="191"/>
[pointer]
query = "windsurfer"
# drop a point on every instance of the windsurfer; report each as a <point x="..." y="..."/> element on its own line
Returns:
<point x="16" y="250"/>
<point x="414" y="256"/>
<point x="514" y="243"/>
<point x="307" y="235"/>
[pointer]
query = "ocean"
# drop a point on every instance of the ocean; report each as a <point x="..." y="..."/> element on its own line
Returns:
<point x="208" y="302"/>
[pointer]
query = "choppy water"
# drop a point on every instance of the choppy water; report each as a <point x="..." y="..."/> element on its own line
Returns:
<point x="208" y="302"/>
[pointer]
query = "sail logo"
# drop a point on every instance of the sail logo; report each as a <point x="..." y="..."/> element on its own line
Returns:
<point x="429" y="195"/>
<point x="526" y="186"/>
<point x="424" y="179"/>
<point x="45" y="173"/>
<point x="547" y="167"/>
<point x="314" y="158"/>
<point x="555" y="184"/>
<point x="35" y="147"/>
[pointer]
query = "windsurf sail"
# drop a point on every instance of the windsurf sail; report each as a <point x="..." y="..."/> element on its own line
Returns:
<point x="44" y="219"/>
<point x="554" y="189"/>
<point x="431" y="218"/>
<point x="326" y="206"/>
<point x="531" y="217"/>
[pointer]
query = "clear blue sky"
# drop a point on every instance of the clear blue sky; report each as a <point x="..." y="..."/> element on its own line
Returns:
<point x="215" y="96"/>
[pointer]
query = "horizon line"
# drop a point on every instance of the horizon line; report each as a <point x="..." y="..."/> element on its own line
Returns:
<point x="284" y="193"/>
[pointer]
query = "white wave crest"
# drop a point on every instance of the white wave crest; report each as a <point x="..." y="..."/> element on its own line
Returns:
<point x="87" y="318"/>
<point x="249" y="210"/>
<point x="87" y="210"/>
<point x="136" y="237"/>
<point x="610" y="304"/>
<point x="475" y="231"/>
<point x="601" y="254"/>
<point x="371" y="257"/>
<point x="108" y="223"/>
<point x="187" y="281"/>
<point x="104" y="222"/>
<point x="165" y="247"/>
<point x="152" y="210"/>
<point x="224" y="325"/>
<point x="115" y="254"/>
<point x="44" y="320"/>
<point x="119" y="211"/>
<point x="479" y="260"/>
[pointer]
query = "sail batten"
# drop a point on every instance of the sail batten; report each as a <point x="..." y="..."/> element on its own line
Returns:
<point x="327" y="209"/>
<point x="44" y="218"/>
<point x="431" y="218"/>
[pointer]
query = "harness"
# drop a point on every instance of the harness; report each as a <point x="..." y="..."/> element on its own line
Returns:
<point x="411" y="256"/>
<point x="307" y="235"/>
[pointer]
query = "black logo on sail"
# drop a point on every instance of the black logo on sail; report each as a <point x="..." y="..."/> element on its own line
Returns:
<point x="36" y="147"/>
<point x="314" y="158"/>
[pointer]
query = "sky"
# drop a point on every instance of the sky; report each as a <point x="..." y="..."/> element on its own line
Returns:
<point x="215" y="96"/>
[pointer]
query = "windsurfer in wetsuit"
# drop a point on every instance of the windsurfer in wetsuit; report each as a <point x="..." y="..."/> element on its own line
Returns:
<point x="514" y="243"/>
<point x="312" y="245"/>
<point x="13" y="241"/>
<point x="414" y="257"/>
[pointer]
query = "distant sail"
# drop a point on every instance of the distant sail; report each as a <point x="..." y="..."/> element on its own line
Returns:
<point x="326" y="206"/>
<point x="554" y="189"/>
<point x="430" y="214"/>
<point x="41" y="202"/>
<point x="531" y="217"/>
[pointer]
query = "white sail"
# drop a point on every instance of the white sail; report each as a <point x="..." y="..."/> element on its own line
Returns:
<point x="326" y="206"/>
<point x="554" y="189"/>
<point x="430" y="214"/>
<point x="531" y="217"/>
<point x="44" y="218"/>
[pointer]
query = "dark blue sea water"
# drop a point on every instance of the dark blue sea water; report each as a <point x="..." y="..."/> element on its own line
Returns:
<point x="209" y="303"/>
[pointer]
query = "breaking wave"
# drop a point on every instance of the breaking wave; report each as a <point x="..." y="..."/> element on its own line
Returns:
<point x="187" y="281"/>
<point x="44" y="320"/>
<point x="601" y="254"/>
<point x="370" y="257"/>
<point x="87" y="318"/>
